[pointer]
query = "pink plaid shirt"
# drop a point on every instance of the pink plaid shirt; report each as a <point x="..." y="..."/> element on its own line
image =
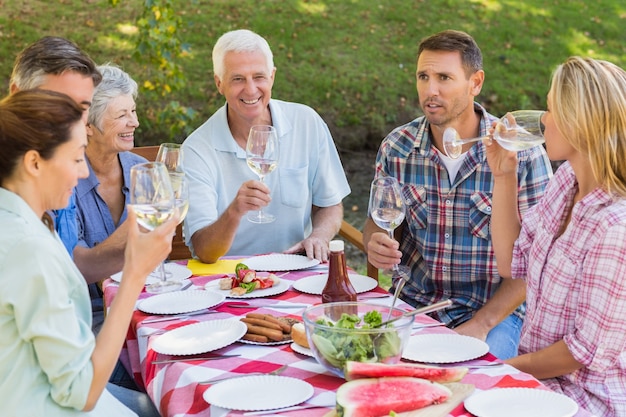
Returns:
<point x="576" y="290"/>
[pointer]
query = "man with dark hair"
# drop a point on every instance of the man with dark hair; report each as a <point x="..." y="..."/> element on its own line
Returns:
<point x="446" y="239"/>
<point x="56" y="64"/>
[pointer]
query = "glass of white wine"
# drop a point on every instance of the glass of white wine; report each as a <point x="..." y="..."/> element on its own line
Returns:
<point x="171" y="154"/>
<point x="515" y="131"/>
<point x="262" y="152"/>
<point x="153" y="201"/>
<point x="386" y="207"/>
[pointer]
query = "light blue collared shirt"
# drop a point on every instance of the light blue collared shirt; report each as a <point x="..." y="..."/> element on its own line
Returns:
<point x="309" y="173"/>
<point x="45" y="318"/>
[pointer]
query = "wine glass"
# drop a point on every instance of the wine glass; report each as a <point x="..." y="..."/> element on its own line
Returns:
<point x="171" y="154"/>
<point x="262" y="157"/>
<point x="180" y="186"/>
<point x="387" y="208"/>
<point x="152" y="200"/>
<point x="515" y="131"/>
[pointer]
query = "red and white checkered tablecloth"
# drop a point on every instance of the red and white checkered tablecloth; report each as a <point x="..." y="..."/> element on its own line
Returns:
<point x="174" y="386"/>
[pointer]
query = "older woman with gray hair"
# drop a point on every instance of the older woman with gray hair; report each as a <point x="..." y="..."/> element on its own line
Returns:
<point x="102" y="196"/>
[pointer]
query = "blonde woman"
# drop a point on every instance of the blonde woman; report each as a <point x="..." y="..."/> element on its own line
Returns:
<point x="571" y="246"/>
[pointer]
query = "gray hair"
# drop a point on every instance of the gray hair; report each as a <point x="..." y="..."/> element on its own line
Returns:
<point x="115" y="83"/>
<point x="50" y="55"/>
<point x="241" y="40"/>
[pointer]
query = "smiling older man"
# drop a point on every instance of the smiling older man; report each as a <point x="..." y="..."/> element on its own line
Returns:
<point x="305" y="192"/>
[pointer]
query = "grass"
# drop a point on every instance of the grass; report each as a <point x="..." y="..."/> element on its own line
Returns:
<point x="351" y="60"/>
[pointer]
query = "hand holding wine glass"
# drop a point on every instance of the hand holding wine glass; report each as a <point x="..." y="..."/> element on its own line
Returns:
<point x="387" y="209"/>
<point x="152" y="200"/>
<point x="515" y="131"/>
<point x="262" y="152"/>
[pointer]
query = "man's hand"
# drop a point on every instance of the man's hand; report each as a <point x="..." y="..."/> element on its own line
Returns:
<point x="382" y="251"/>
<point x="473" y="328"/>
<point x="314" y="247"/>
<point x="252" y="195"/>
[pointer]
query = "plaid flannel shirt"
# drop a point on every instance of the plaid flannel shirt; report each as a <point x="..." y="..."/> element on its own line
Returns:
<point x="577" y="290"/>
<point x="446" y="237"/>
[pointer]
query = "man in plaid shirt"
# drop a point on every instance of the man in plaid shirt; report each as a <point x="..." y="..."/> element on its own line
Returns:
<point x="446" y="238"/>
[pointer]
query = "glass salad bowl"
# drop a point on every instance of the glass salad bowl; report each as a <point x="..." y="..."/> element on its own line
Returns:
<point x="346" y="331"/>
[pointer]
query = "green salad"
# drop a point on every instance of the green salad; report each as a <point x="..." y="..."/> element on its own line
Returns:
<point x="338" y="347"/>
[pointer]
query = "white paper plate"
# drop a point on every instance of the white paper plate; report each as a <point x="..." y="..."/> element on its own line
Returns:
<point x="179" y="302"/>
<point x="444" y="348"/>
<point x="279" y="262"/>
<point x="315" y="283"/>
<point x="520" y="402"/>
<point x="200" y="337"/>
<point x="179" y="273"/>
<point x="301" y="350"/>
<point x="281" y="287"/>
<point x="255" y="393"/>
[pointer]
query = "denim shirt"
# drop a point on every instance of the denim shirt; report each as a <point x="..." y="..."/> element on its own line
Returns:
<point x="65" y="224"/>
<point x="93" y="220"/>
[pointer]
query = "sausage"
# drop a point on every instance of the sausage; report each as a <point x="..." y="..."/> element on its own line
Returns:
<point x="272" y="334"/>
<point x="255" y="338"/>
<point x="262" y="323"/>
<point x="286" y="327"/>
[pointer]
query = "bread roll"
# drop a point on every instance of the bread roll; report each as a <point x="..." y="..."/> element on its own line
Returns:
<point x="298" y="334"/>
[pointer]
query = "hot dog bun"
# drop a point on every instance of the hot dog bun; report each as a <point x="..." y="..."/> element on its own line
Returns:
<point x="298" y="334"/>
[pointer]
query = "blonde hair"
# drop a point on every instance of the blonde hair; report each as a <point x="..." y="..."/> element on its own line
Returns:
<point x="589" y="108"/>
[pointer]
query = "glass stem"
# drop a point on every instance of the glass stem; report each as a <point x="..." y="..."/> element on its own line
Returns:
<point x="162" y="273"/>
<point x="261" y="178"/>
<point x="390" y="232"/>
<point x="470" y="140"/>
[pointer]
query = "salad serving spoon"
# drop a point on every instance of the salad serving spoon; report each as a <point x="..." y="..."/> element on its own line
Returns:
<point x="422" y="310"/>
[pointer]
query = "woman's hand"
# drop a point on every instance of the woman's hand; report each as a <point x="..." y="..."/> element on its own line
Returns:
<point x="501" y="161"/>
<point x="145" y="250"/>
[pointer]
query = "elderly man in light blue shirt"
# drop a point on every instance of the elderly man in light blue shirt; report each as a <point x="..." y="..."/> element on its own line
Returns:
<point x="304" y="193"/>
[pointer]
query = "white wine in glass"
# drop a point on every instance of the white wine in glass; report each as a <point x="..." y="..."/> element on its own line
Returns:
<point x="386" y="207"/>
<point x="181" y="194"/>
<point x="515" y="131"/>
<point x="262" y="152"/>
<point x="171" y="154"/>
<point x="152" y="199"/>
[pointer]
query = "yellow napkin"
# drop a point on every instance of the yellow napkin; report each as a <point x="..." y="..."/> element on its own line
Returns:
<point x="222" y="266"/>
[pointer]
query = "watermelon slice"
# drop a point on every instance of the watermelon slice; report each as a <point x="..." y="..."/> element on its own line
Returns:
<point x="374" y="397"/>
<point x="356" y="370"/>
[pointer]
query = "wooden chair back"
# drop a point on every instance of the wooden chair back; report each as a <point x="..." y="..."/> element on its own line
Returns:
<point x="180" y="250"/>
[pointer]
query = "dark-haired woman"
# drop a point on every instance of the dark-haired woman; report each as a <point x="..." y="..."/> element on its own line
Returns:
<point x="51" y="363"/>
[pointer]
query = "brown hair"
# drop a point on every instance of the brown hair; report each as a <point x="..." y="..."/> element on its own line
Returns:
<point x="51" y="55"/>
<point x="455" y="41"/>
<point x="37" y="120"/>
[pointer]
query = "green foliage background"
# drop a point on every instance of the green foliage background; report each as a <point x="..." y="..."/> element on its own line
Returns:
<point x="352" y="60"/>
